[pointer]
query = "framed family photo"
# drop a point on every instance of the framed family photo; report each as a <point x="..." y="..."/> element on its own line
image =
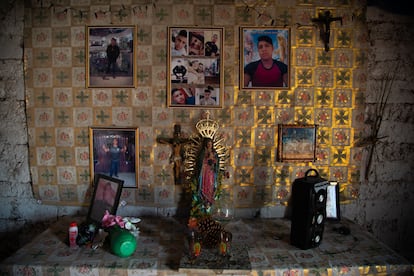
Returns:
<point x="106" y="194"/>
<point x="110" y="56"/>
<point x="297" y="143"/>
<point x="114" y="153"/>
<point x="195" y="67"/>
<point x="264" y="58"/>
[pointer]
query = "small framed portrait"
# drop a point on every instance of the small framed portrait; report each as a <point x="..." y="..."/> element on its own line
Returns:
<point x="264" y="58"/>
<point x="297" y="143"/>
<point x="110" y="56"/>
<point x="332" y="201"/>
<point x="106" y="194"/>
<point x="195" y="67"/>
<point x="114" y="152"/>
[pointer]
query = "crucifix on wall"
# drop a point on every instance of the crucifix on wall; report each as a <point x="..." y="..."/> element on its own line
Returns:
<point x="323" y="21"/>
<point x="176" y="158"/>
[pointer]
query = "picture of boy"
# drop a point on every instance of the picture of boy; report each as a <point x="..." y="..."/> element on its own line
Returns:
<point x="179" y="45"/>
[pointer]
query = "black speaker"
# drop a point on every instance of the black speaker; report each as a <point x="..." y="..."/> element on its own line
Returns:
<point x="308" y="210"/>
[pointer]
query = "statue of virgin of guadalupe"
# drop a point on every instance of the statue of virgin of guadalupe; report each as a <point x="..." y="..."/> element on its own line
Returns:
<point x="205" y="159"/>
<point x="208" y="170"/>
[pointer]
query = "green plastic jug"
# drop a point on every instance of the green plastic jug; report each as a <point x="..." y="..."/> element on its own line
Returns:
<point x="123" y="243"/>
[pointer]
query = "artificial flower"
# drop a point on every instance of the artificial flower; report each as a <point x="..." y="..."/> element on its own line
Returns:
<point x="128" y="223"/>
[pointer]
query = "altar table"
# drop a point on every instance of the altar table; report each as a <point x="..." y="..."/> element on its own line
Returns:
<point x="259" y="247"/>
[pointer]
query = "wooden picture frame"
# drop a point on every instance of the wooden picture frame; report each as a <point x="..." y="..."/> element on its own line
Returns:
<point x="195" y="67"/>
<point x="297" y="143"/>
<point x="106" y="194"/>
<point x="259" y="68"/>
<point x="108" y="65"/>
<point x="121" y="161"/>
<point x="333" y="211"/>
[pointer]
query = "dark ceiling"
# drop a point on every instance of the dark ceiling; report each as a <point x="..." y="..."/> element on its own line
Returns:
<point x="394" y="6"/>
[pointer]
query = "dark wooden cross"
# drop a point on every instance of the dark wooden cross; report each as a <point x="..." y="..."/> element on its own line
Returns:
<point x="323" y="21"/>
<point x="176" y="158"/>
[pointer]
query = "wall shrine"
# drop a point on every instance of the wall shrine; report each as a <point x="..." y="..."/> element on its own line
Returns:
<point x="326" y="89"/>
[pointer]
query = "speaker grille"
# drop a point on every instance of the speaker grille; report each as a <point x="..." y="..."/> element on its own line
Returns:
<point x="308" y="212"/>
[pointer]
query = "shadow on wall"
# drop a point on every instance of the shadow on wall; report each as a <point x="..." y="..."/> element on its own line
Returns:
<point x="402" y="7"/>
<point x="12" y="241"/>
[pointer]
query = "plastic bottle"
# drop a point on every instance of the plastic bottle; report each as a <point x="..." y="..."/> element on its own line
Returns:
<point x="73" y="234"/>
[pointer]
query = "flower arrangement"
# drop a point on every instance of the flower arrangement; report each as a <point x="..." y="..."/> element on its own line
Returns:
<point x="109" y="221"/>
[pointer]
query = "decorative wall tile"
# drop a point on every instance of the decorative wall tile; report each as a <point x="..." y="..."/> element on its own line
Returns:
<point x="145" y="195"/>
<point x="60" y="17"/>
<point x="183" y="13"/>
<point x="62" y="97"/>
<point x="141" y="14"/>
<point x="49" y="192"/>
<point x="341" y="136"/>
<point x="243" y="195"/>
<point x="342" y="98"/>
<point x="146" y="176"/>
<point x="327" y="88"/>
<point x="323" y="116"/>
<point x="265" y="98"/>
<point x="42" y="37"/>
<point x="223" y="15"/>
<point x="42" y="77"/>
<point x="284" y="115"/>
<point x="305" y="56"/>
<point x="78" y="77"/>
<point x="66" y="175"/>
<point x="324" y="77"/>
<point x="243" y="156"/>
<point x="304" y="96"/>
<point x="265" y="136"/>
<point x="164" y="195"/>
<point x="61" y="37"/>
<point x="44" y="117"/>
<point x="263" y="175"/>
<point x="100" y="15"/>
<point x="122" y="116"/>
<point x="82" y="156"/>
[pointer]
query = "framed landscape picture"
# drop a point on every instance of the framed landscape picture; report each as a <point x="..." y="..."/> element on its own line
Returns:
<point x="114" y="152"/>
<point x="297" y="143"/>
<point x="264" y="58"/>
<point x="110" y="56"/>
<point x="195" y="67"/>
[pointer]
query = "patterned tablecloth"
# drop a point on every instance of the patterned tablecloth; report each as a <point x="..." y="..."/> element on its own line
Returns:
<point x="259" y="247"/>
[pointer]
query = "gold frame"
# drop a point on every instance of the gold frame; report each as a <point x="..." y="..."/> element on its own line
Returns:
<point x="97" y="74"/>
<point x="249" y="53"/>
<point x="190" y="82"/>
<point x="100" y="137"/>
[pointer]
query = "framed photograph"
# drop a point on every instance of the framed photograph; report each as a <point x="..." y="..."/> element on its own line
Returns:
<point x="264" y="58"/>
<point x="106" y="194"/>
<point x="332" y="201"/>
<point x="195" y="67"/>
<point x="297" y="143"/>
<point x="114" y="152"/>
<point x="110" y="56"/>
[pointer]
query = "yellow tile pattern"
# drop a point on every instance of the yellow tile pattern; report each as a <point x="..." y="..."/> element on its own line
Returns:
<point x="326" y="89"/>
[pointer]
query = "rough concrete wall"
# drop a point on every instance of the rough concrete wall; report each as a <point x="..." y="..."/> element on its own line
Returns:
<point x="386" y="201"/>
<point x="21" y="217"/>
